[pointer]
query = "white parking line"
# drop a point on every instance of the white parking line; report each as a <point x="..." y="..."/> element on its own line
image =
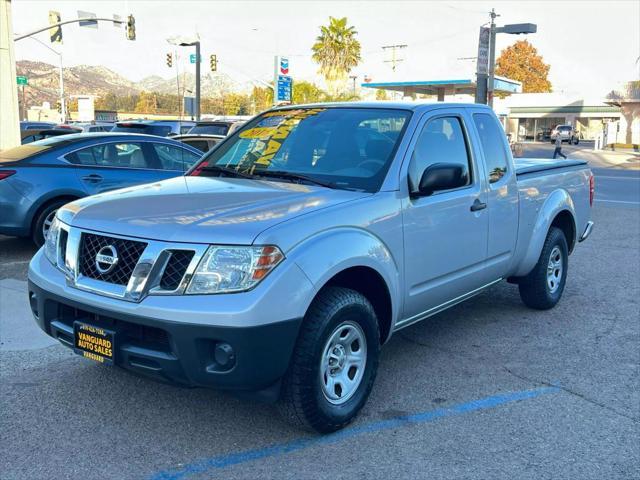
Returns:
<point x="618" y="201"/>
<point x="617" y="178"/>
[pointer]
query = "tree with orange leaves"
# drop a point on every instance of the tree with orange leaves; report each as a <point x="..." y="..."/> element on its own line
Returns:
<point x="521" y="62"/>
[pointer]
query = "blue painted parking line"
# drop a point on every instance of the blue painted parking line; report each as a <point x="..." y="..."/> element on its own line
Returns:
<point x="231" y="459"/>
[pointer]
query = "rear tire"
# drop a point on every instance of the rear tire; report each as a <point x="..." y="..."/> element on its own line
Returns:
<point x="340" y="327"/>
<point x="542" y="288"/>
<point x="44" y="219"/>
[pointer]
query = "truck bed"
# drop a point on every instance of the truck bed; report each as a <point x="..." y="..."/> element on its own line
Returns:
<point x="532" y="165"/>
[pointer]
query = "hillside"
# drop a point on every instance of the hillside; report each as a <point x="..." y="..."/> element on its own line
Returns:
<point x="97" y="80"/>
<point x="80" y="80"/>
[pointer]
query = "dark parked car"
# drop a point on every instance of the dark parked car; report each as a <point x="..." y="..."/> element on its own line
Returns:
<point x="27" y="125"/>
<point x="161" y="128"/>
<point x="38" y="178"/>
<point x="29" y="136"/>
<point x="543" y="134"/>
<point x="201" y="142"/>
<point x="216" y="127"/>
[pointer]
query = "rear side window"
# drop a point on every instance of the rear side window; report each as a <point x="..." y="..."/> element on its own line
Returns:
<point x="174" y="158"/>
<point x="442" y="140"/>
<point x="495" y="155"/>
<point x="123" y="155"/>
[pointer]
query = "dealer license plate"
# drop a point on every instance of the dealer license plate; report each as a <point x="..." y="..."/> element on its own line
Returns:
<point x="93" y="342"/>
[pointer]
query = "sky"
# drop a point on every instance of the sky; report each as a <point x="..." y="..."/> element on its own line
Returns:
<point x="592" y="46"/>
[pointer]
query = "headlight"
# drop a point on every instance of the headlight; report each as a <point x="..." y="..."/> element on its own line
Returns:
<point x="51" y="242"/>
<point x="225" y="269"/>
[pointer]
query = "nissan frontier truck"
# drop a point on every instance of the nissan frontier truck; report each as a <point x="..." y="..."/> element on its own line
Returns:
<point x="282" y="262"/>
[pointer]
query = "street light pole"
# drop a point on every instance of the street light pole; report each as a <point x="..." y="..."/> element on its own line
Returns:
<point x="512" y="29"/>
<point x="63" y="109"/>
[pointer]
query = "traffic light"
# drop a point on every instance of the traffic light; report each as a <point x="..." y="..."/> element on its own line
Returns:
<point x="169" y="60"/>
<point x="59" y="106"/>
<point x="55" y="33"/>
<point x="213" y="63"/>
<point x="131" y="28"/>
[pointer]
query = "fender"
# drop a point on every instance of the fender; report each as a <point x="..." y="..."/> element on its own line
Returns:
<point x="326" y="254"/>
<point x="558" y="201"/>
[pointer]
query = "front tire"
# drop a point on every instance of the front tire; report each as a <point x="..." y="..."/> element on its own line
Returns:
<point x="542" y="288"/>
<point x="334" y="363"/>
<point x="43" y="221"/>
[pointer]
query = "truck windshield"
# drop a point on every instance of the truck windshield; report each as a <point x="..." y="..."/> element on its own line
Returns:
<point x="348" y="148"/>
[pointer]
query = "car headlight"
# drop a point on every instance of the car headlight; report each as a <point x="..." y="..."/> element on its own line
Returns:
<point x="51" y="242"/>
<point x="225" y="269"/>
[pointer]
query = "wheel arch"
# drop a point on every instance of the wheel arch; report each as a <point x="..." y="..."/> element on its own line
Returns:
<point x="353" y="258"/>
<point x="47" y="200"/>
<point x="557" y="211"/>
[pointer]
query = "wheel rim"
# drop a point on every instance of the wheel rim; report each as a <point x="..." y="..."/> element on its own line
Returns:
<point x="344" y="358"/>
<point x="47" y="223"/>
<point x="554" y="270"/>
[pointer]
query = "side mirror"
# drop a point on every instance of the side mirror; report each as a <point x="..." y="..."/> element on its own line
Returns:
<point x="441" y="176"/>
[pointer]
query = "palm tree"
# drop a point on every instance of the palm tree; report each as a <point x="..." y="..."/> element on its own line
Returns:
<point x="336" y="50"/>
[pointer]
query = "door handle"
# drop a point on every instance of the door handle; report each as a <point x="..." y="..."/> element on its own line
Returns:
<point x="478" y="205"/>
<point x="93" y="178"/>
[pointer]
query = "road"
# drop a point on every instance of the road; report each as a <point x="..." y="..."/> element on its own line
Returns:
<point x="488" y="389"/>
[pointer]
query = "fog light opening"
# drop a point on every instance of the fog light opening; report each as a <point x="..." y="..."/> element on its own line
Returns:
<point x="224" y="355"/>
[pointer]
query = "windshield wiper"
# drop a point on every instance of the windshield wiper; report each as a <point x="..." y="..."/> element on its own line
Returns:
<point x="293" y="176"/>
<point x="229" y="171"/>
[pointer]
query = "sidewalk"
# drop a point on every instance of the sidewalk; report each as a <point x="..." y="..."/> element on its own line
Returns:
<point x="623" y="159"/>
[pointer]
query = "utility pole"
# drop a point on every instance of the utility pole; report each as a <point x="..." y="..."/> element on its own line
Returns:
<point x="394" y="60"/>
<point x="9" y="111"/>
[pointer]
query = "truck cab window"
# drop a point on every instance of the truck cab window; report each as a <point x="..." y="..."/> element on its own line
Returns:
<point x="491" y="135"/>
<point x="442" y="140"/>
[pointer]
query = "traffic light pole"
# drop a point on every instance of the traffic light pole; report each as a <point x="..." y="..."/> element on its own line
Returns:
<point x="77" y="20"/>
<point x="197" y="44"/>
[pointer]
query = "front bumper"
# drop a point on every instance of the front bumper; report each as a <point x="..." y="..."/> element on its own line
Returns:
<point x="173" y="343"/>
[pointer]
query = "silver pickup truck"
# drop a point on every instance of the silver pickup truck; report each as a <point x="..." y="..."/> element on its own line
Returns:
<point x="283" y="261"/>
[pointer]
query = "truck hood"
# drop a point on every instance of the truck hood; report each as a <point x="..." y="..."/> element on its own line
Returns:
<point x="200" y="209"/>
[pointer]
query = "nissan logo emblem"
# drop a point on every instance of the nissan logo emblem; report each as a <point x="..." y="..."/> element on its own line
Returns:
<point x="106" y="259"/>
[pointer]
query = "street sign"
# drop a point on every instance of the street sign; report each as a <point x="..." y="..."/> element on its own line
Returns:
<point x="88" y="23"/>
<point x="284" y="88"/>
<point x="190" y="106"/>
<point x="21" y="80"/>
<point x="192" y="58"/>
<point x="117" y="21"/>
<point x="483" y="51"/>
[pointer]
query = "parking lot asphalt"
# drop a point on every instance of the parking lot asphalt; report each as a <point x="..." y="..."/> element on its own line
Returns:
<point x="487" y="389"/>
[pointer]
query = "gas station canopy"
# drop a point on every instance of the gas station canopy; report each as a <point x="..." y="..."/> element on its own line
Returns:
<point x="445" y="87"/>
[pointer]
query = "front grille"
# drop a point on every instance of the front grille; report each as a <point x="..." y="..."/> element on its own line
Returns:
<point x="175" y="269"/>
<point x="129" y="252"/>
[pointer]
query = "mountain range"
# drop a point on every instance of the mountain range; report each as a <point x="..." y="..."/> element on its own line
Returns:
<point x="43" y="82"/>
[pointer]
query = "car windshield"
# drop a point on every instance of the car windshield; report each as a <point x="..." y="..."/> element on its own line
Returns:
<point x="564" y="128"/>
<point x="348" y="148"/>
<point x="210" y="129"/>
